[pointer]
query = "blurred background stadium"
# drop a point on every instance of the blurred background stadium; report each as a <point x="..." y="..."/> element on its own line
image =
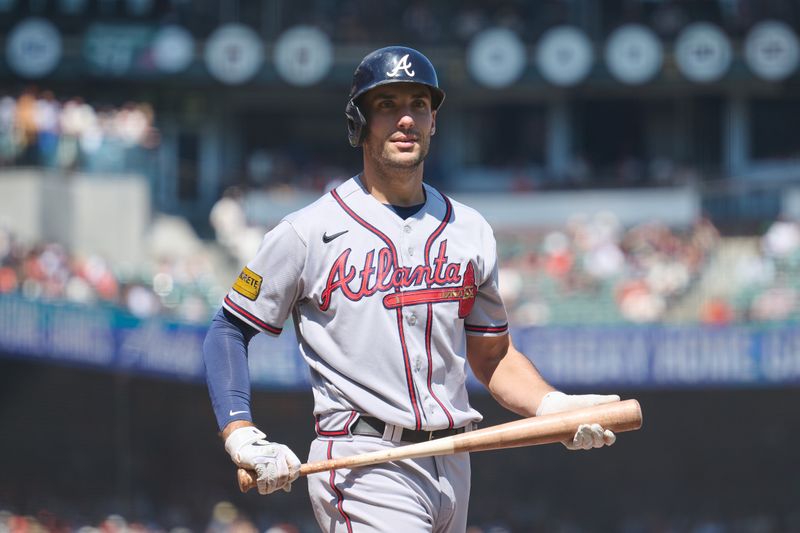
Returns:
<point x="639" y="160"/>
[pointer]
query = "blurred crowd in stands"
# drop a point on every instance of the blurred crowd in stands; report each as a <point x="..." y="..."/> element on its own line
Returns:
<point x="595" y="271"/>
<point x="181" y="288"/>
<point x="591" y="271"/>
<point x="36" y="128"/>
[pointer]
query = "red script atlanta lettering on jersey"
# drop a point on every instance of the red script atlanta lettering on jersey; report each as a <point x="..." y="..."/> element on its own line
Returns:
<point x="382" y="276"/>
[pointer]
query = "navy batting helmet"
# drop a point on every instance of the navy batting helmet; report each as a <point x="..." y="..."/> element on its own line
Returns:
<point x="393" y="64"/>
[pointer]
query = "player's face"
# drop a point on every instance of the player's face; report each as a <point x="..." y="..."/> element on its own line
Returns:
<point x="400" y="123"/>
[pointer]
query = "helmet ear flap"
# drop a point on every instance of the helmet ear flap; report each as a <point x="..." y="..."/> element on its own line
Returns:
<point x="356" y="124"/>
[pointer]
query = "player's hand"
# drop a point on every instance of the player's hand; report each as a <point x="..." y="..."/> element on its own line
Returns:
<point x="588" y="435"/>
<point x="275" y="464"/>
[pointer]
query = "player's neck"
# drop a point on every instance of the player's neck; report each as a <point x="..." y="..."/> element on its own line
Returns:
<point x="399" y="187"/>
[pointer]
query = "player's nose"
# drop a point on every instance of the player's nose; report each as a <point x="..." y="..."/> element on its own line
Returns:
<point x="406" y="120"/>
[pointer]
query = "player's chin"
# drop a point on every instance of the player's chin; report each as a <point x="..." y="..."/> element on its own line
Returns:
<point x="404" y="161"/>
<point x="405" y="158"/>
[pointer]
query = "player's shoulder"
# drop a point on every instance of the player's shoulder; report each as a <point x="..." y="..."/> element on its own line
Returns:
<point x="462" y="212"/>
<point x="321" y="210"/>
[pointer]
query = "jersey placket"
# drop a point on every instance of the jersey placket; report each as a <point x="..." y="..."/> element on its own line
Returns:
<point x="411" y="249"/>
<point x="437" y="233"/>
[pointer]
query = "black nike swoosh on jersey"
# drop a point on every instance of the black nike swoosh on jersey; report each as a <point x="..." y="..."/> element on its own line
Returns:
<point x="328" y="238"/>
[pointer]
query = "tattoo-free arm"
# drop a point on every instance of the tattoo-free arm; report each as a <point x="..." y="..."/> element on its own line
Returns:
<point x="511" y="378"/>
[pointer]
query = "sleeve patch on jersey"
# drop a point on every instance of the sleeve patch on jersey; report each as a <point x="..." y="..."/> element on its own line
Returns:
<point x="248" y="284"/>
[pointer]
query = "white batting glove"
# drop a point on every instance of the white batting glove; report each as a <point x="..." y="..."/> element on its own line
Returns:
<point x="275" y="464"/>
<point x="588" y="435"/>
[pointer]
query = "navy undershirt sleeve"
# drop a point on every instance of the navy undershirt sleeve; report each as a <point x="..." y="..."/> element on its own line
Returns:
<point x="227" y="373"/>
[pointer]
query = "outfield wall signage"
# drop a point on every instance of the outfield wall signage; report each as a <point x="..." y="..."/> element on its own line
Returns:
<point x="625" y="357"/>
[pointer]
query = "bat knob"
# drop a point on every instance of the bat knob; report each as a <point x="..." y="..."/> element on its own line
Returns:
<point x="247" y="479"/>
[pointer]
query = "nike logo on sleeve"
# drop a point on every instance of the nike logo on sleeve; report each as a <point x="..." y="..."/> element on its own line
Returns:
<point x="328" y="238"/>
<point x="234" y="413"/>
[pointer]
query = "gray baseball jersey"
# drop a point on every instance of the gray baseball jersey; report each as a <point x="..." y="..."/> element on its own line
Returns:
<point x="381" y="305"/>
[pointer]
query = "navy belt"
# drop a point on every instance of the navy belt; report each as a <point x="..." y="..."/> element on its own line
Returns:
<point x="374" y="427"/>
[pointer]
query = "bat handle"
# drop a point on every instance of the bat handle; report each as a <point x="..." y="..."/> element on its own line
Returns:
<point x="246" y="479"/>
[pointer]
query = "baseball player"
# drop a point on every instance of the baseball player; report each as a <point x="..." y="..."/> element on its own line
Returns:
<point x="392" y="287"/>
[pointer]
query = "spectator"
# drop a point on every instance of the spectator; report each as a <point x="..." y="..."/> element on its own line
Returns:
<point x="775" y="304"/>
<point x="8" y="136"/>
<point x="230" y="225"/>
<point x="717" y="312"/>
<point x="46" y="118"/>
<point x="782" y="239"/>
<point x="25" y="126"/>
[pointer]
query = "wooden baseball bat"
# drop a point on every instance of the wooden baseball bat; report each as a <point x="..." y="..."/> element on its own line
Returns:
<point x="617" y="416"/>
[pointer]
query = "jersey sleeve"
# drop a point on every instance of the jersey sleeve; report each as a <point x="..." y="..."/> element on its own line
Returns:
<point x="488" y="316"/>
<point x="268" y="287"/>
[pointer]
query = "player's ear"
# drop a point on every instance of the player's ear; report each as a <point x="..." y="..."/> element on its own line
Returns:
<point x="433" y="124"/>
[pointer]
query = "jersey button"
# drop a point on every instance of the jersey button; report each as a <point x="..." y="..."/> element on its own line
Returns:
<point x="412" y="319"/>
<point x="407" y="228"/>
<point x="410" y="251"/>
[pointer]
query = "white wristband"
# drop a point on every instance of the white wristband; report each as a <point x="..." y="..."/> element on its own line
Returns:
<point x="242" y="437"/>
<point x="550" y="401"/>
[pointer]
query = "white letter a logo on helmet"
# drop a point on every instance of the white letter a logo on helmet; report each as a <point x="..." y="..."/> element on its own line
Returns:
<point x="403" y="65"/>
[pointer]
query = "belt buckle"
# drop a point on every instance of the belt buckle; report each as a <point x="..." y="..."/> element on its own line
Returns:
<point x="430" y="435"/>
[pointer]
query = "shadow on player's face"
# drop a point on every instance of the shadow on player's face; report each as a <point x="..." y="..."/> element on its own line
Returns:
<point x="400" y="123"/>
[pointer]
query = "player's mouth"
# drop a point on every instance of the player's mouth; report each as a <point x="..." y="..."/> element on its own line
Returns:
<point x="404" y="142"/>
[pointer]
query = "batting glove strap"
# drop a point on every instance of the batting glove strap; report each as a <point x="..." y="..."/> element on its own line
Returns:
<point x="240" y="438"/>
<point x="557" y="401"/>
<point x="552" y="402"/>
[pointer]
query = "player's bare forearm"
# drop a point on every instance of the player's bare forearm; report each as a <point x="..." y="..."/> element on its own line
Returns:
<point x="511" y="378"/>
<point x="517" y="385"/>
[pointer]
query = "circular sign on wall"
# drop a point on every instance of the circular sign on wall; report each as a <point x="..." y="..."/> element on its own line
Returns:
<point x="173" y="49"/>
<point x="564" y="55"/>
<point x="496" y="57"/>
<point x="234" y="53"/>
<point x="303" y="55"/>
<point x="633" y="54"/>
<point x="33" y="48"/>
<point x="771" y="50"/>
<point x="703" y="52"/>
